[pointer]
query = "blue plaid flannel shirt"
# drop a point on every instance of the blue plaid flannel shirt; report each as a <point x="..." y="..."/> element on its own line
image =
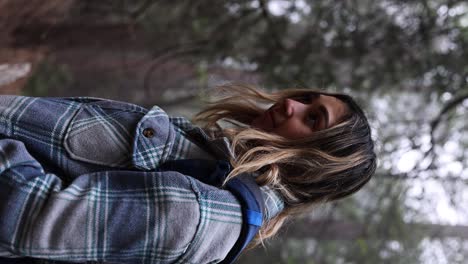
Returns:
<point x="78" y="183"/>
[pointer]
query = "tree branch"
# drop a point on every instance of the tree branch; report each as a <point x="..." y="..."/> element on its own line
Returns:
<point x="449" y="106"/>
<point x="141" y="10"/>
<point x="166" y="55"/>
<point x="271" y="27"/>
<point x="445" y="109"/>
<point x="350" y="230"/>
<point x="415" y="176"/>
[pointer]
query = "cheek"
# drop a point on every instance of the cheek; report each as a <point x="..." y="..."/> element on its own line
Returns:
<point x="293" y="130"/>
<point x="262" y="122"/>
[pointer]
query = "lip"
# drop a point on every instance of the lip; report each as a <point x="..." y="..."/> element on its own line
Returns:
<point x="273" y="123"/>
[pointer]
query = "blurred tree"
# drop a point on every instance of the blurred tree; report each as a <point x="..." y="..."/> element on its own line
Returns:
<point x="372" y="46"/>
<point x="48" y="78"/>
<point x="405" y="60"/>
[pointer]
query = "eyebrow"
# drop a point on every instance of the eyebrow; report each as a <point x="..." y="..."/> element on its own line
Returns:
<point x="324" y="111"/>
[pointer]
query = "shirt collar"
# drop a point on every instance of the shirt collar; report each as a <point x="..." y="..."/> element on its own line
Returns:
<point x="221" y="147"/>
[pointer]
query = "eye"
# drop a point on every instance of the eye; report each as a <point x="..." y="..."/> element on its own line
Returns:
<point x="312" y="120"/>
<point x="305" y="98"/>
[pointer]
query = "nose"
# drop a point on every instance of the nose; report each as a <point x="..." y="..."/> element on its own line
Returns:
<point x="293" y="107"/>
<point x="288" y="107"/>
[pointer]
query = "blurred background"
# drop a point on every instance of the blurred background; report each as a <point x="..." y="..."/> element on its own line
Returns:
<point x="405" y="61"/>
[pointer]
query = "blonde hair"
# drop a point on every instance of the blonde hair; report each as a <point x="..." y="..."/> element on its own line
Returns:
<point x="331" y="164"/>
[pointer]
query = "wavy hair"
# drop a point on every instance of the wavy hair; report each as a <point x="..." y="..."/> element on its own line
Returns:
<point x="329" y="165"/>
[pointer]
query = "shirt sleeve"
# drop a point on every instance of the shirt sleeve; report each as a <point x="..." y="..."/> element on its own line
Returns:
<point x="111" y="216"/>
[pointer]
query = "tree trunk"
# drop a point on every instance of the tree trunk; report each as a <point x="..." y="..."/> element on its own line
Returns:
<point x="78" y="35"/>
<point x="345" y="230"/>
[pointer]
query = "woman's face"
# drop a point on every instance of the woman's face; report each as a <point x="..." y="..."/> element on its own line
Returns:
<point x="296" y="118"/>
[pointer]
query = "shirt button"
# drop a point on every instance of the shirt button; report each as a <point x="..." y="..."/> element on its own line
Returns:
<point x="148" y="132"/>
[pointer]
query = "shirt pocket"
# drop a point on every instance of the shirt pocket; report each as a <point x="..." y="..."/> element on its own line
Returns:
<point x="102" y="132"/>
<point x="219" y="225"/>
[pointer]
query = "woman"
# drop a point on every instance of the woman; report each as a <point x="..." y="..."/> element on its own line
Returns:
<point x="105" y="197"/>
<point x="310" y="146"/>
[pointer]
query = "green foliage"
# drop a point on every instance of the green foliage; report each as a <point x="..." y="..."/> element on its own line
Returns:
<point x="364" y="45"/>
<point x="405" y="55"/>
<point x="47" y="78"/>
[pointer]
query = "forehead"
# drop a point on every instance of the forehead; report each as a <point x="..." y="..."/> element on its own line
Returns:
<point x="336" y="108"/>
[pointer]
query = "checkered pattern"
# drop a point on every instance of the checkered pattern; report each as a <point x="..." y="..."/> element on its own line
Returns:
<point x="78" y="184"/>
<point x="112" y="216"/>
